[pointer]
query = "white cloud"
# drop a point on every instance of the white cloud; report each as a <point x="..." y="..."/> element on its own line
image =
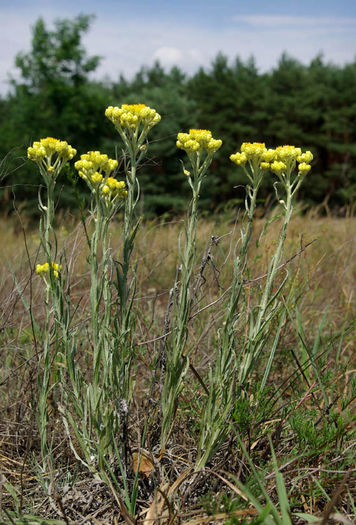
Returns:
<point x="136" y="43"/>
<point x="168" y="56"/>
<point x="173" y="56"/>
<point x="297" y="21"/>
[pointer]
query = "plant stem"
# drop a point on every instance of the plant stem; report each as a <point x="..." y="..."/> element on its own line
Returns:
<point x="177" y="358"/>
<point x="256" y="337"/>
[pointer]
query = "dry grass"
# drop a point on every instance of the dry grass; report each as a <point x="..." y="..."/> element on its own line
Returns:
<point x="324" y="275"/>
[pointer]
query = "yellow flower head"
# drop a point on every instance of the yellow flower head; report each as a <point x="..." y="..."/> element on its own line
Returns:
<point x="278" y="167"/>
<point x="43" y="269"/>
<point x="95" y="168"/>
<point x="307" y="157"/>
<point x="96" y="178"/>
<point x="114" y="188"/>
<point x="290" y="155"/>
<point x="239" y="158"/>
<point x="92" y="165"/>
<point x="51" y="154"/>
<point x="280" y="161"/>
<point x="265" y="165"/>
<point x="287" y="153"/>
<point x="304" y="168"/>
<point x="256" y="153"/>
<point x="131" y="116"/>
<point x="269" y="155"/>
<point x="198" y="140"/>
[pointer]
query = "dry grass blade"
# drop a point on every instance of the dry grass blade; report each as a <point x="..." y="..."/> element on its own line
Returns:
<point x="340" y="518"/>
<point x="161" y="499"/>
<point x="230" y="485"/>
<point x="123" y="509"/>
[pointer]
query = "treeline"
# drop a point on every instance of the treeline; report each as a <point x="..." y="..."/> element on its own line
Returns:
<point x="312" y="106"/>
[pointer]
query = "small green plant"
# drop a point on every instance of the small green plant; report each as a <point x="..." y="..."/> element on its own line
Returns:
<point x="237" y="357"/>
<point x="50" y="155"/>
<point x="200" y="148"/>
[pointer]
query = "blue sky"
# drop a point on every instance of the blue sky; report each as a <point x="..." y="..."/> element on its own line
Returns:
<point x="129" y="34"/>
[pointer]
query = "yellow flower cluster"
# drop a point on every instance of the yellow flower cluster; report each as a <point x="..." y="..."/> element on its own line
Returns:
<point x="280" y="160"/>
<point x="95" y="167"/>
<point x="131" y="116"/>
<point x="288" y="156"/>
<point x="254" y="152"/>
<point x="48" y="147"/>
<point x="51" y="153"/>
<point x="198" y="140"/>
<point x="278" y="167"/>
<point x="92" y="164"/>
<point x="114" y="188"/>
<point x="287" y="153"/>
<point x="43" y="269"/>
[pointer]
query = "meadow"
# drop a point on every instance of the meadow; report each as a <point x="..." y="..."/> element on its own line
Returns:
<point x="195" y="369"/>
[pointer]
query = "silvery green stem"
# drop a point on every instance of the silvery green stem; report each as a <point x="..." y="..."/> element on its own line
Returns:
<point x="215" y="422"/>
<point x="44" y="384"/>
<point x="128" y="236"/>
<point x="178" y="356"/>
<point x="98" y="279"/>
<point x="123" y="352"/>
<point x="123" y="355"/>
<point x="57" y="316"/>
<point x="44" y="377"/>
<point x="225" y="352"/>
<point x="256" y="337"/>
<point x="275" y="261"/>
